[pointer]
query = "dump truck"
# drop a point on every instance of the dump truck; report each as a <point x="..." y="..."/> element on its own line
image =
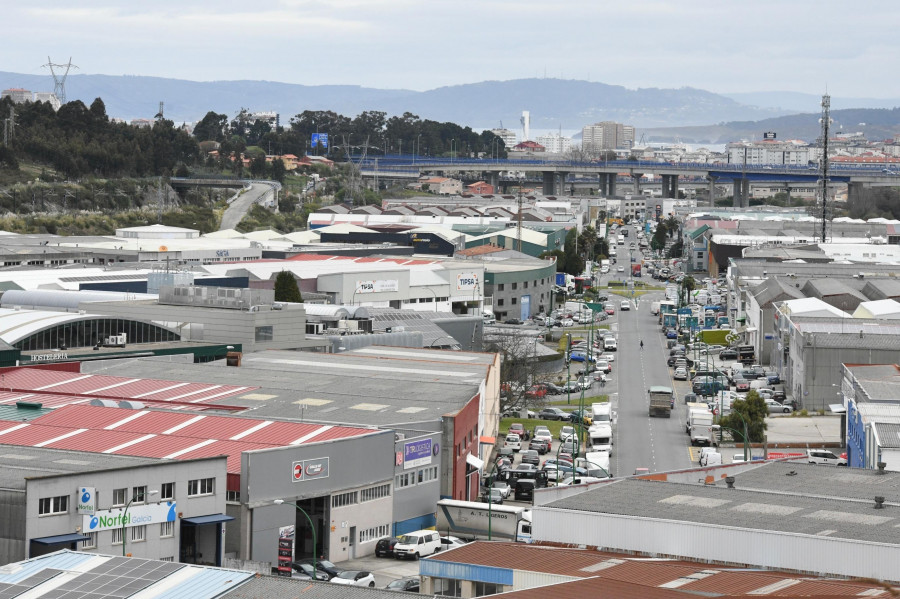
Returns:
<point x="661" y="399"/>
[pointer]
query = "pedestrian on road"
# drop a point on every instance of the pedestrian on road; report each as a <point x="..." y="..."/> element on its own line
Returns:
<point x="642" y="344"/>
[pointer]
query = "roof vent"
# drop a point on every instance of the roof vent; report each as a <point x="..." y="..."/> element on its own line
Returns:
<point x="729" y="480"/>
<point x="879" y="502"/>
<point x="881" y="467"/>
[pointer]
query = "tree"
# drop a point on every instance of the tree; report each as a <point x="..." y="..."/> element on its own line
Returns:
<point x="688" y="284"/>
<point x="519" y="368"/>
<point x="211" y="127"/>
<point x="286" y="289"/>
<point x="658" y="242"/>
<point x="754" y="411"/>
<point x="574" y="264"/>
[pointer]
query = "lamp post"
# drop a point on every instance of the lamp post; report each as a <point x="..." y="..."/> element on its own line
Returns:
<point x="311" y="528"/>
<point x="125" y="517"/>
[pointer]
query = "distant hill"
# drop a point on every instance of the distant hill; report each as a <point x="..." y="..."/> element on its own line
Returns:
<point x="801" y="102"/>
<point x="553" y="103"/>
<point x="876" y="124"/>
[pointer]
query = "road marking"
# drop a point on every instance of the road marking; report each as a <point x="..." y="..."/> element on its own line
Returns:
<point x="694" y="453"/>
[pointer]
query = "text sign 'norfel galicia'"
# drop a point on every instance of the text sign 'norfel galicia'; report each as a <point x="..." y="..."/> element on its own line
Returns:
<point x="138" y="515"/>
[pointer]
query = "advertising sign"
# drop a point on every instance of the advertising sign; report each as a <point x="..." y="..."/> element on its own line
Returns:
<point x="320" y="139"/>
<point x="416" y="453"/>
<point x="87" y="500"/>
<point x="309" y="470"/>
<point x="525" y="303"/>
<point x="377" y="286"/>
<point x="769" y="135"/>
<point x="138" y="515"/>
<point x="561" y="279"/>
<point x="466" y="281"/>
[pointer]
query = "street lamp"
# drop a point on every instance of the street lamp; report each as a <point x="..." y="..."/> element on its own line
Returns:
<point x="311" y="527"/>
<point x="125" y="517"/>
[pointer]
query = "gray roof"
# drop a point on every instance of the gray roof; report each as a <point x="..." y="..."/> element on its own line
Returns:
<point x="878" y="382"/>
<point x="823" y="288"/>
<point x="414" y="320"/>
<point x="888" y="434"/>
<point x="804" y="479"/>
<point x="749" y="268"/>
<point x="850" y="332"/>
<point x="741" y="508"/>
<point x="375" y="385"/>
<point x="774" y="290"/>
<point x="277" y="587"/>
<point x="877" y="289"/>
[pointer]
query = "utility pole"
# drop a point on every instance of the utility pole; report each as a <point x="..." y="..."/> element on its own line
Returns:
<point x="826" y="118"/>
<point x="519" y="221"/>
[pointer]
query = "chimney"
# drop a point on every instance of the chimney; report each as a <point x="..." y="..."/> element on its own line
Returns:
<point x="881" y="467"/>
<point x="729" y="480"/>
<point x="879" y="502"/>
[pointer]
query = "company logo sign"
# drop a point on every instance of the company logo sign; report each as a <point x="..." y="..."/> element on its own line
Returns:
<point x="309" y="469"/>
<point x="86" y="500"/>
<point x="466" y="281"/>
<point x="416" y="453"/>
<point x="138" y="515"/>
<point x="378" y="286"/>
<point x="50" y="357"/>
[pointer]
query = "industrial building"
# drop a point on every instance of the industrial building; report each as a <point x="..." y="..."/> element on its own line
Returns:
<point x="871" y="399"/>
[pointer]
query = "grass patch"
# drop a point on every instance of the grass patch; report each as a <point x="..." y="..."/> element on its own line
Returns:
<point x="627" y="293"/>
<point x="562" y="403"/>
<point x="529" y="423"/>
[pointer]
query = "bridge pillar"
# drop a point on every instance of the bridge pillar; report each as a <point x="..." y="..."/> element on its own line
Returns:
<point x="549" y="183"/>
<point x="602" y="185"/>
<point x="741" y="193"/>
<point x="670" y="186"/>
<point x="561" y="189"/>
<point x="854" y="194"/>
<point x="611" y="184"/>
<point x="493" y="179"/>
<point x="637" y="182"/>
<point x="712" y="189"/>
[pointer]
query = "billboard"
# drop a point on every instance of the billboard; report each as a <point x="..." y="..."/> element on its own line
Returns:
<point x="769" y="135"/>
<point x="417" y="453"/>
<point x="468" y="280"/>
<point x="377" y="286"/>
<point x="320" y="139"/>
<point x="138" y="515"/>
<point x="561" y="279"/>
<point x="309" y="469"/>
<point x="87" y="500"/>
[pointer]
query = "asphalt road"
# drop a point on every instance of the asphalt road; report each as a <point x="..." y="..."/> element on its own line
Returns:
<point x="239" y="208"/>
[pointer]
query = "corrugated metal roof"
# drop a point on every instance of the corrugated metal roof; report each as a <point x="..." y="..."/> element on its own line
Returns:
<point x="888" y="434"/>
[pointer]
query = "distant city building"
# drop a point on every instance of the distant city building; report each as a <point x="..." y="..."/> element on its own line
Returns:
<point x="770" y="151"/>
<point x="508" y="137"/>
<point x="480" y="188"/>
<point x="141" y="123"/>
<point x="270" y="117"/>
<point x="607" y="135"/>
<point x="526" y="125"/>
<point x="555" y="143"/>
<point x="17" y="95"/>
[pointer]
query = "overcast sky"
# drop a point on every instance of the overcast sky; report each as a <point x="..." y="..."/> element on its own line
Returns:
<point x="721" y="46"/>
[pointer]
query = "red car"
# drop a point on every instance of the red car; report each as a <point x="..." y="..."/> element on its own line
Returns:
<point x="536" y="392"/>
<point x="611" y="311"/>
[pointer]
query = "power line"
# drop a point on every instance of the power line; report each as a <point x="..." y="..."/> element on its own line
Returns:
<point x="59" y="81"/>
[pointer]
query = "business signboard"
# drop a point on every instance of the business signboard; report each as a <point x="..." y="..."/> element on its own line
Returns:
<point x="309" y="469"/>
<point x="561" y="279"/>
<point x="87" y="500"/>
<point x="320" y="139"/>
<point x="769" y="135"/>
<point x="377" y="286"/>
<point x="417" y="453"/>
<point x="138" y="515"/>
<point x="466" y="281"/>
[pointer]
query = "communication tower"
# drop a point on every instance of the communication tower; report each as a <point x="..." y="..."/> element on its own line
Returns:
<point x="59" y="81"/>
<point x="826" y="122"/>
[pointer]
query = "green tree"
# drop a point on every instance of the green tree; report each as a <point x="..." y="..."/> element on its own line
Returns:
<point x="286" y="289"/>
<point x="211" y="127"/>
<point x="574" y="262"/>
<point x="754" y="411"/>
<point x="688" y="284"/>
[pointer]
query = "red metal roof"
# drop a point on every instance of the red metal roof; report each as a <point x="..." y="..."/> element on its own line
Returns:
<point x="143" y="433"/>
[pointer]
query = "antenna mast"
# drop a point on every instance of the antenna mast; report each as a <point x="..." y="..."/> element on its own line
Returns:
<point x="59" y="81"/>
<point x="826" y="118"/>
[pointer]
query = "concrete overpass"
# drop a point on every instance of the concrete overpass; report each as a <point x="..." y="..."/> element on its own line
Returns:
<point x="555" y="174"/>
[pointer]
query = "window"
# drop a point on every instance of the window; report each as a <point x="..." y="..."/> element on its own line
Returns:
<point x="447" y="587"/>
<point x="263" y="334"/>
<point x="373" y="493"/>
<point x="53" y="505"/>
<point x="500" y="301"/>
<point x="201" y="486"/>
<point x="514" y="301"/>
<point x="167" y="491"/>
<point x="139" y="494"/>
<point x="407" y="479"/>
<point x="526" y="284"/>
<point x="487" y="588"/>
<point x="342" y="499"/>
<point x="116" y="536"/>
<point x="90" y="542"/>
<point x="500" y="287"/>
<point x="166" y="529"/>
<point x="118" y="497"/>
<point x="428" y="474"/>
<point x="374" y="533"/>
<point x="515" y="286"/>
<point x="171" y="558"/>
<point x="233" y="496"/>
<point x="138" y="533"/>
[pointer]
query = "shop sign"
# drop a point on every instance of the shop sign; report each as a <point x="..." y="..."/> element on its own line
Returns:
<point x="416" y="453"/>
<point x="309" y="469"/>
<point x="50" y="357"/>
<point x="466" y="281"/>
<point x="138" y="515"/>
<point x="377" y="286"/>
<point x="87" y="500"/>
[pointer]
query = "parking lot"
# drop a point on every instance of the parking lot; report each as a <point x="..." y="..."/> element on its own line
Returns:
<point x="385" y="569"/>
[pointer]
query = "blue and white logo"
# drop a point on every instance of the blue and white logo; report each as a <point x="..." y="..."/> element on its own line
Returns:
<point x="85" y="495"/>
<point x="94" y="523"/>
<point x="170" y="516"/>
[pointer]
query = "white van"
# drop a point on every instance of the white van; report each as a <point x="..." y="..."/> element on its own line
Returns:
<point x="609" y="344"/>
<point x="417" y="544"/>
<point x="824" y="456"/>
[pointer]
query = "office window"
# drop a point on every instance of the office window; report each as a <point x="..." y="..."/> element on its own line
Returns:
<point x="201" y="486"/>
<point x="407" y="479"/>
<point x="167" y="491"/>
<point x="374" y="533"/>
<point x="118" y="497"/>
<point x="138" y="533"/>
<point x="515" y="301"/>
<point x="116" y="536"/>
<point x="90" y="542"/>
<point x="500" y="301"/>
<point x="373" y="493"/>
<point x="139" y="494"/>
<point x="263" y="334"/>
<point x="447" y="587"/>
<point x="526" y="284"/>
<point x="171" y="558"/>
<point x="500" y="287"/>
<point x="53" y="505"/>
<point x="487" y="588"/>
<point x="428" y="474"/>
<point x="515" y="286"/>
<point x="343" y="499"/>
<point x="233" y="496"/>
<point x="166" y="529"/>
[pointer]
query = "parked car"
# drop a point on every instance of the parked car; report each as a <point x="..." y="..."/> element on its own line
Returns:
<point x="680" y="374"/>
<point x="741" y="385"/>
<point x="536" y="392"/>
<point x="492" y="496"/>
<point x="530" y="456"/>
<point x="321" y="564"/>
<point x="410" y="584"/>
<point x="608" y="356"/>
<point x="824" y="456"/>
<point x="451" y="542"/>
<point x="305" y="572"/>
<point x="503" y="487"/>
<point x="539" y="446"/>
<point x="554" y="413"/>
<point x="512" y="321"/>
<point x="517" y="428"/>
<point x="576" y="416"/>
<point x="554" y="389"/>
<point x="357" y="578"/>
<point x="604" y="366"/>
<point x="515" y="412"/>
<point x="514" y="442"/>
<point x="776" y="408"/>
<point x="571" y="387"/>
<point x="610" y="310"/>
<point x="773" y="377"/>
<point x="566" y="432"/>
<point x="671" y="334"/>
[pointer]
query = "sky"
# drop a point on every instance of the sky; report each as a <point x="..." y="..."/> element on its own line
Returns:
<point x="845" y="48"/>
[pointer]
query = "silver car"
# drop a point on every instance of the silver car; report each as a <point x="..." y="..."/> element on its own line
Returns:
<point x="776" y="408"/>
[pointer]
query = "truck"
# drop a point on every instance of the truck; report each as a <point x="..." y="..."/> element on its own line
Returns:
<point x="635" y="270"/>
<point x="661" y="400"/>
<point x="470" y="519"/>
<point x="601" y="412"/>
<point x="600" y="437"/>
<point x="596" y="463"/>
<point x="699" y="425"/>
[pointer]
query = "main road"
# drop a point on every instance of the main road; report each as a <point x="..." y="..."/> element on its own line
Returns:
<point x="640" y="441"/>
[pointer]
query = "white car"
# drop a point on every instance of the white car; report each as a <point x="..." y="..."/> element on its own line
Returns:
<point x="624" y="305"/>
<point x="357" y="578"/>
<point x="567" y="322"/>
<point x="451" y="543"/>
<point x="621" y="269"/>
<point x="737" y="458"/>
<point x="680" y="374"/>
<point x="824" y="456"/>
<point x="608" y="356"/>
<point x="514" y="442"/>
<point x="566" y="432"/>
